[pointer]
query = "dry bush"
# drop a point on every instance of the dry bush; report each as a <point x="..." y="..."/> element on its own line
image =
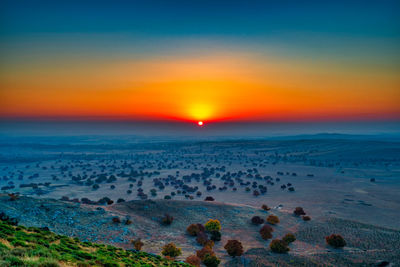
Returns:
<point x="266" y="232"/>
<point x="167" y="219"/>
<point x="289" y="238"/>
<point x="272" y="219"/>
<point x="171" y="250"/>
<point x="265" y="207"/>
<point x="204" y="251"/>
<point x="299" y="211"/>
<point x="336" y="241"/>
<point x="137" y="244"/>
<point x="202" y="238"/>
<point x="257" y="220"/>
<point x="278" y="246"/>
<point x="234" y="248"/>
<point x="193" y="260"/>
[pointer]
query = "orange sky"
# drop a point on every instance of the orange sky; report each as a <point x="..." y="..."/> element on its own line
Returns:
<point x="210" y="86"/>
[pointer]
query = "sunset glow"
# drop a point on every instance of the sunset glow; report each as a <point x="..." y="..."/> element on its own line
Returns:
<point x="86" y="74"/>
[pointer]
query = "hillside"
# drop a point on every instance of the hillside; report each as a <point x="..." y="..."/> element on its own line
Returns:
<point x="366" y="244"/>
<point x="32" y="246"/>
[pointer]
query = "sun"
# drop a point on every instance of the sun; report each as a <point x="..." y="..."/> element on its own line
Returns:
<point x="200" y="123"/>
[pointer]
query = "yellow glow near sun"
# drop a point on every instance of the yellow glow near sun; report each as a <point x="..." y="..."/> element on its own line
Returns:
<point x="200" y="112"/>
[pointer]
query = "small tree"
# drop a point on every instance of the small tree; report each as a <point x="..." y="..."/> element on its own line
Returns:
<point x="266" y="232"/>
<point x="278" y="246"/>
<point x="116" y="220"/>
<point x="211" y="261"/>
<point x="171" y="250"/>
<point x="234" y="248"/>
<point x="336" y="241"/>
<point x="137" y="244"/>
<point x="265" y="207"/>
<point x="193" y="260"/>
<point x="272" y="219"/>
<point x="213" y="225"/>
<point x="298" y="211"/>
<point x="289" y="238"/>
<point x="257" y="220"/>
<point x="209" y="198"/>
<point x="167" y="219"/>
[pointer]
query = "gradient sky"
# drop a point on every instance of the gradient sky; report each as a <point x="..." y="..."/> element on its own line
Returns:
<point x="200" y="60"/>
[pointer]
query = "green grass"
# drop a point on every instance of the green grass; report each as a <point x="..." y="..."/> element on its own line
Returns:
<point x="21" y="246"/>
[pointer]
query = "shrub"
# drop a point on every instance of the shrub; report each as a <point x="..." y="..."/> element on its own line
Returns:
<point x="202" y="238"/>
<point x="193" y="229"/>
<point x="120" y="200"/>
<point x="306" y="218"/>
<point x="289" y="238"/>
<point x="137" y="244"/>
<point x="167" y="219"/>
<point x="234" y="248"/>
<point x="213" y="225"/>
<point x="265" y="207"/>
<point x="209" y="243"/>
<point x="171" y="250"/>
<point x="209" y="198"/>
<point x="272" y="219"/>
<point x="299" y="211"/>
<point x="204" y="251"/>
<point x="116" y="220"/>
<point x="266" y="232"/>
<point x="215" y="236"/>
<point x="278" y="246"/>
<point x="193" y="260"/>
<point x="211" y="261"/>
<point x="336" y="241"/>
<point x="257" y="220"/>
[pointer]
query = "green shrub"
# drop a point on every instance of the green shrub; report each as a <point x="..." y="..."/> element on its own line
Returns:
<point x="211" y="261"/>
<point x="171" y="250"/>
<point x="213" y="225"/>
<point x="289" y="238"/>
<point x="278" y="246"/>
<point x="336" y="241"/>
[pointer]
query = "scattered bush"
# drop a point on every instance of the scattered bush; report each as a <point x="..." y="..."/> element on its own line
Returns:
<point x="193" y="260"/>
<point x="137" y="244"/>
<point x="234" y="248"/>
<point x="215" y="236"/>
<point x="116" y="220"/>
<point x="213" y="225"/>
<point x="265" y="207"/>
<point x="202" y="238"/>
<point x="278" y="246"/>
<point x="336" y="241"/>
<point x="299" y="211"/>
<point x="211" y="261"/>
<point x="289" y="238"/>
<point x="209" y="243"/>
<point x="167" y="219"/>
<point x="266" y="232"/>
<point x="257" y="220"/>
<point x="171" y="250"/>
<point x="194" y="229"/>
<point x="272" y="219"/>
<point x="204" y="251"/>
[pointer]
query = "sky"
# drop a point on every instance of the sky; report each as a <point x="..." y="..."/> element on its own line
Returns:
<point x="200" y="60"/>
